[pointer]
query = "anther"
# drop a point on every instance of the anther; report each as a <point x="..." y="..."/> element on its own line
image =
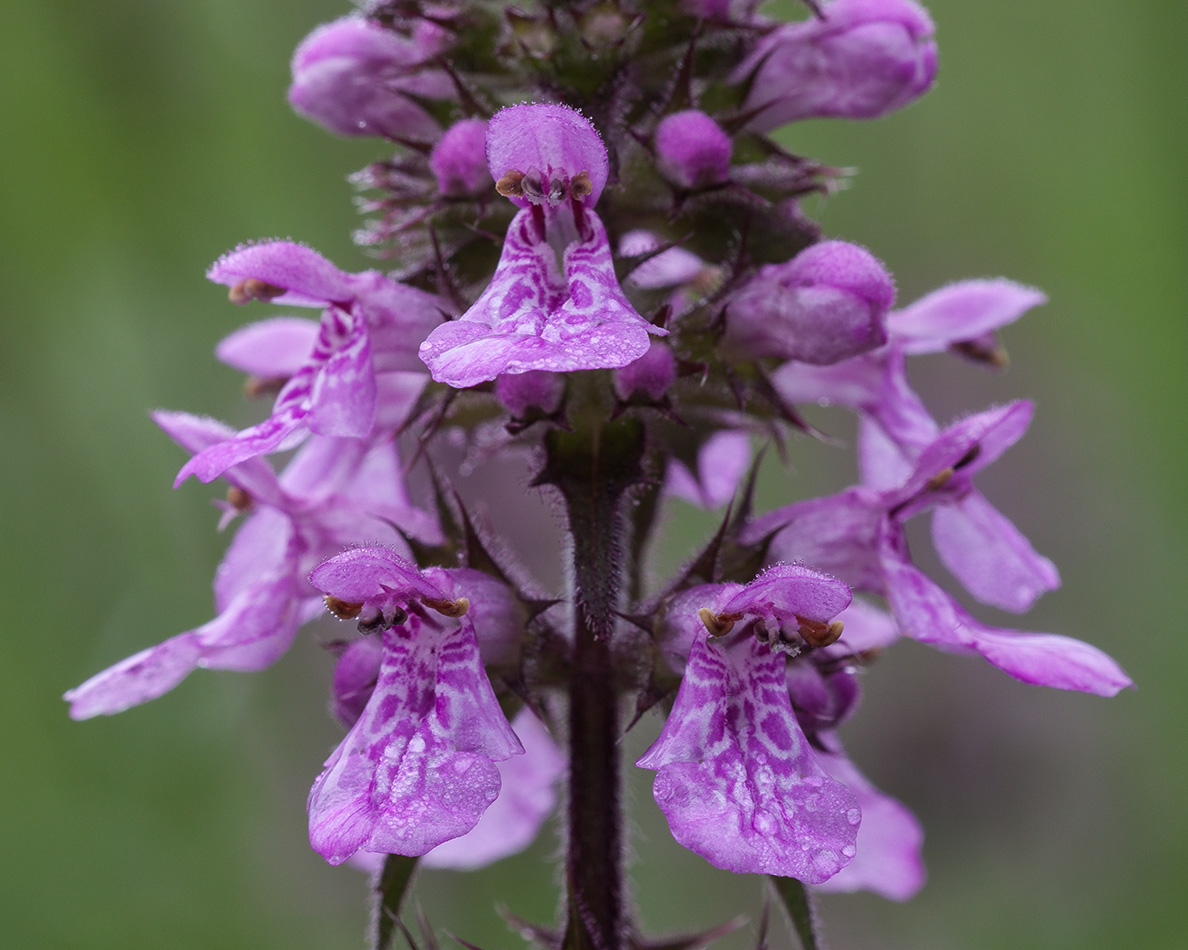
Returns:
<point x="940" y="479"/>
<point x="580" y="185"/>
<point x="381" y="621"/>
<point x="253" y="289"/>
<point x="255" y="386"/>
<point x="510" y="185"/>
<point x="817" y="634"/>
<point x="448" y="608"/>
<point x="531" y="185"/>
<point x="238" y="499"/>
<point x="556" y="191"/>
<point x="993" y="356"/>
<point x="342" y="609"/>
<point x="718" y="625"/>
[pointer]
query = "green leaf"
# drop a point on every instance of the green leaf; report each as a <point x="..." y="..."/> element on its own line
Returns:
<point x="390" y="887"/>
<point x="798" y="903"/>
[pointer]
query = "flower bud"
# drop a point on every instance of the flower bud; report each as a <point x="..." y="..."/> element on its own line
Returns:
<point x="827" y="304"/>
<point x="650" y="375"/>
<point x="864" y="59"/>
<point x="459" y="160"/>
<point x="692" y="150"/>
<point x="355" y="77"/>
<point x="536" y="389"/>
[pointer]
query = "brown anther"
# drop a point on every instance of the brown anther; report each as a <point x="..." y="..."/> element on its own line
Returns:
<point x="580" y="185"/>
<point x="448" y="608"/>
<point x="531" y="185"/>
<point x="817" y="634"/>
<point x="238" y="499"/>
<point x="253" y="289"/>
<point x="718" y="625"/>
<point x="254" y="386"/>
<point x="341" y="608"/>
<point x="511" y="184"/>
<point x="993" y="356"/>
<point x="939" y="480"/>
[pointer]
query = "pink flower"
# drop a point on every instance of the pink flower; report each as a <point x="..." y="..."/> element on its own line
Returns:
<point x="554" y="302"/>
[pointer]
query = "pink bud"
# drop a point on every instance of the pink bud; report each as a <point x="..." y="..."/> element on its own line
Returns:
<point x="650" y="375"/>
<point x="459" y="160"/>
<point x="827" y="304"/>
<point x="865" y="59"/>
<point x="355" y="77"/>
<point x="692" y="149"/>
<point x="535" y="389"/>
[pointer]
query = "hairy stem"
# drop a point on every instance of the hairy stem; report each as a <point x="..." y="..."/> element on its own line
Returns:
<point x="593" y="469"/>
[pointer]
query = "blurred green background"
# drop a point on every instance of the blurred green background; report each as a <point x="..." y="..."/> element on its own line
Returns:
<point x="142" y="139"/>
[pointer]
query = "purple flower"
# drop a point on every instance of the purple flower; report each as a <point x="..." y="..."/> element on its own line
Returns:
<point x="527" y="797"/>
<point x="650" y="376"/>
<point x="722" y="460"/>
<point x="824" y="688"/>
<point x="333" y="492"/>
<point x="418" y="766"/>
<point x="865" y="58"/>
<point x="527" y="794"/>
<point x="859" y="534"/>
<point x="669" y="268"/>
<point x="692" y="151"/>
<point x="888" y="859"/>
<point x="895" y="425"/>
<point x="554" y="303"/>
<point x="736" y="777"/>
<point x="827" y="304"/>
<point x="356" y="77"/>
<point x="356" y="363"/>
<point x="676" y="269"/>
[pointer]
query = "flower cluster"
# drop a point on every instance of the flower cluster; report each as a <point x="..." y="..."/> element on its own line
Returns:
<point x="596" y="259"/>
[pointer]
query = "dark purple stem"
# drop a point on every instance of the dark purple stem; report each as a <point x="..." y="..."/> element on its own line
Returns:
<point x="594" y="862"/>
<point x="593" y="469"/>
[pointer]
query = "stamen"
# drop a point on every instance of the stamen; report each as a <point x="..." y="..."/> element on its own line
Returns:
<point x="993" y="356"/>
<point x="238" y="499"/>
<point x="342" y="609"/>
<point x="532" y="186"/>
<point x="382" y="621"/>
<point x="254" y="386"/>
<point x="940" y="479"/>
<point x="448" y="608"/>
<point x="580" y="186"/>
<point x="253" y="289"/>
<point x="718" y="625"/>
<point x="556" y="191"/>
<point x="510" y="185"/>
<point x="817" y="634"/>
